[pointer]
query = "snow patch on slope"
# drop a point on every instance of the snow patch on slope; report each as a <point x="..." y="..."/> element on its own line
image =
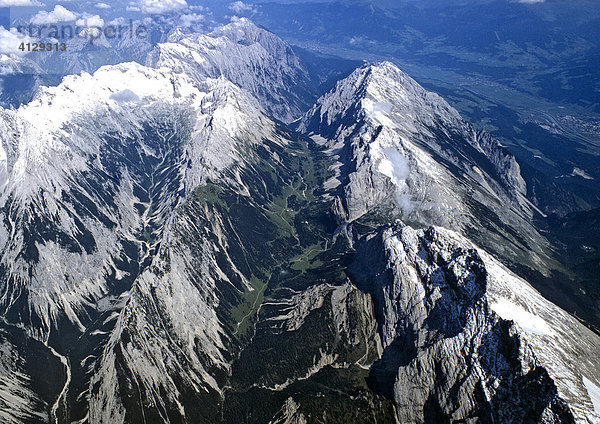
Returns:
<point x="594" y="393"/>
<point x="526" y="320"/>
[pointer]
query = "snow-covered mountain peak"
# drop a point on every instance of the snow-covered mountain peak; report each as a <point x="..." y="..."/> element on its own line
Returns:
<point x="112" y="129"/>
<point x="39" y="132"/>
<point x="251" y="57"/>
<point x="386" y="96"/>
<point x="403" y="148"/>
<point x="244" y="31"/>
<point x="105" y="89"/>
<point x="131" y="89"/>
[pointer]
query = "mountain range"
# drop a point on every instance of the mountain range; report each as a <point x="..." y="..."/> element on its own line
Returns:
<point x="209" y="237"/>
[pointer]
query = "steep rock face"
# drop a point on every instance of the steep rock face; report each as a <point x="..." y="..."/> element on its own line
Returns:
<point x="23" y="395"/>
<point x="465" y="339"/>
<point x="94" y="163"/>
<point x="404" y="149"/>
<point x="143" y="215"/>
<point x="92" y="173"/>
<point x="173" y="252"/>
<point x="249" y="56"/>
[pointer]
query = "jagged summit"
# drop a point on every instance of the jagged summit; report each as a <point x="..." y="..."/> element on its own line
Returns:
<point x="249" y="56"/>
<point x="403" y="148"/>
<point x="448" y="302"/>
<point x="384" y="94"/>
<point x="244" y="31"/>
<point x="67" y="135"/>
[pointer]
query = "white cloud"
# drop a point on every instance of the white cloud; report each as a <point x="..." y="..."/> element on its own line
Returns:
<point x="59" y="14"/>
<point x="159" y="7"/>
<point x="10" y="41"/>
<point x="240" y="7"/>
<point x="89" y="21"/>
<point x="92" y="26"/>
<point x="118" y="21"/>
<point x="191" y="19"/>
<point x="103" y="6"/>
<point x="16" y="3"/>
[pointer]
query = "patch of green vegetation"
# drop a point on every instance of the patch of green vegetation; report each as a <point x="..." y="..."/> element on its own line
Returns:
<point x="211" y="193"/>
<point x="306" y="260"/>
<point x="280" y="238"/>
<point x="147" y="235"/>
<point x="279" y="224"/>
<point x="244" y="312"/>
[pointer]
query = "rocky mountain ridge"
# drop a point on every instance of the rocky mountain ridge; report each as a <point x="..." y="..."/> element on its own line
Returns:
<point x="176" y="253"/>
